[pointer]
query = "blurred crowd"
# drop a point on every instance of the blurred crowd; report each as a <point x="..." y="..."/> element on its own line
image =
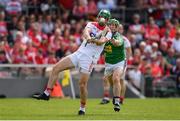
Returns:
<point x="43" y="31"/>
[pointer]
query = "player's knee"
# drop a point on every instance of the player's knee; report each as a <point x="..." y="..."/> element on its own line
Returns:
<point x="55" y="70"/>
<point x="122" y="81"/>
<point x="82" y="84"/>
<point x="116" y="79"/>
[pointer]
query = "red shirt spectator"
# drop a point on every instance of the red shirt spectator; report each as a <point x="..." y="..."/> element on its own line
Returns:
<point x="55" y="41"/>
<point x="51" y="59"/>
<point x="67" y="4"/>
<point x="35" y="34"/>
<point x="152" y="32"/>
<point x="156" y="70"/>
<point x="168" y="28"/>
<point x="92" y="7"/>
<point x="80" y="9"/>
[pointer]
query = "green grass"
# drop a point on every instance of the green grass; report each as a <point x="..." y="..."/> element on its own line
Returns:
<point x="66" y="109"/>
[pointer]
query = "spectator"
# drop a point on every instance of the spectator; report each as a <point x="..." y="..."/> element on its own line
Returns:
<point x="20" y="40"/>
<point x="142" y="47"/>
<point x="162" y="63"/>
<point x="51" y="58"/>
<point x="143" y="64"/>
<point x="80" y="9"/>
<point x="163" y="48"/>
<point x="134" y="75"/>
<point x="47" y="6"/>
<point x="35" y="34"/>
<point x="132" y="40"/>
<point x="3" y="58"/>
<point x="151" y="32"/>
<point x="3" y="24"/>
<point x="176" y="43"/>
<point x="168" y="28"/>
<point x="73" y="46"/>
<point x="176" y="71"/>
<point x="55" y="40"/>
<point x="166" y="38"/>
<point x="13" y="8"/>
<point x="12" y="27"/>
<point x="156" y="70"/>
<point x="78" y="30"/>
<point x="105" y="4"/>
<point x="30" y="52"/>
<point x="136" y="56"/>
<point x="137" y="28"/>
<point x="92" y="7"/>
<point x="176" y="23"/>
<point x="22" y="29"/>
<point x="20" y="58"/>
<point x="168" y="6"/>
<point x="48" y="25"/>
<point x="3" y="3"/>
<point x="34" y="6"/>
<point x="66" y="4"/>
<point x="171" y="59"/>
<point x="4" y="50"/>
<point x="148" y="52"/>
<point x="154" y="49"/>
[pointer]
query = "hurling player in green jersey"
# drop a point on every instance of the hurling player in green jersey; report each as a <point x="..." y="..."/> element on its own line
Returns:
<point x="114" y="52"/>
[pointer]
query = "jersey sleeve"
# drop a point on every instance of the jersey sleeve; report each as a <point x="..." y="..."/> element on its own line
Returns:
<point x="126" y="42"/>
<point x="89" y="25"/>
<point x="108" y="35"/>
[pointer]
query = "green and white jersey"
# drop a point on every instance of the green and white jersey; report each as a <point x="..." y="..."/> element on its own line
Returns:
<point x="114" y="54"/>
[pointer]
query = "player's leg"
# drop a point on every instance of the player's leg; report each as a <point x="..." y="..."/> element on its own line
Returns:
<point x="86" y="65"/>
<point x="123" y="90"/>
<point x="123" y="85"/>
<point x="117" y="74"/>
<point x="62" y="65"/>
<point x="83" y="92"/>
<point x="106" y="86"/>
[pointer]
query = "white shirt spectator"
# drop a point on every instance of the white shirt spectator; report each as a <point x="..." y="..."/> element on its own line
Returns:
<point x="135" y="77"/>
<point x="105" y="4"/>
<point x="47" y="27"/>
<point x="13" y="7"/>
<point x="176" y="45"/>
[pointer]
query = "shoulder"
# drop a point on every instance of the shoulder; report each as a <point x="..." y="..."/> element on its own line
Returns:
<point x="125" y="39"/>
<point x="117" y="34"/>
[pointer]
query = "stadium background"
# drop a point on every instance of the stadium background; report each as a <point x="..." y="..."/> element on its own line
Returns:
<point x="43" y="31"/>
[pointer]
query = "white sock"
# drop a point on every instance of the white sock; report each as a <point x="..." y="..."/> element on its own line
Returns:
<point x="82" y="109"/>
<point x="46" y="92"/>
<point x="117" y="100"/>
<point x="106" y="98"/>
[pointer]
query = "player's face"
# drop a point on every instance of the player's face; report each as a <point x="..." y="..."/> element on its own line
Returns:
<point x="102" y="20"/>
<point x="113" y="27"/>
<point x="121" y="29"/>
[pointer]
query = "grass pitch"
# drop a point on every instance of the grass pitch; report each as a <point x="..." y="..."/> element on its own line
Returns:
<point x="66" y="109"/>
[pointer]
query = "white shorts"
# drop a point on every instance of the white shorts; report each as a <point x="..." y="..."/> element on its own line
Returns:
<point x="109" y="68"/>
<point x="82" y="62"/>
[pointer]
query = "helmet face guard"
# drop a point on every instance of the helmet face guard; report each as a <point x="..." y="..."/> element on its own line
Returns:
<point x="115" y="24"/>
<point x="103" y="16"/>
<point x="114" y="21"/>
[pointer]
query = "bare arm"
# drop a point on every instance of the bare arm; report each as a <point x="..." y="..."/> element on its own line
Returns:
<point x="116" y="42"/>
<point x="128" y="52"/>
<point x="86" y="34"/>
<point x="102" y="38"/>
<point x="100" y="42"/>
